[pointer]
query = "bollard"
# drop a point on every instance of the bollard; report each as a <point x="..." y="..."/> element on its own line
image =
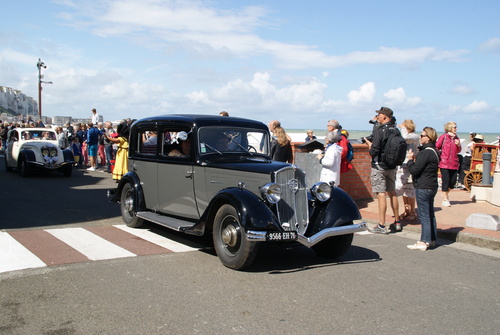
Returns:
<point x="486" y="168"/>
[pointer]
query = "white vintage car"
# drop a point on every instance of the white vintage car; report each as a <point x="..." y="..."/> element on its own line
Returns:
<point x="30" y="149"/>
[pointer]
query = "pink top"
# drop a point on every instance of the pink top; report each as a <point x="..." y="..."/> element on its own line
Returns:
<point x="449" y="151"/>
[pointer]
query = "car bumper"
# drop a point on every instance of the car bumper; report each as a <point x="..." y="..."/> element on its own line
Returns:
<point x="260" y="236"/>
<point x="46" y="166"/>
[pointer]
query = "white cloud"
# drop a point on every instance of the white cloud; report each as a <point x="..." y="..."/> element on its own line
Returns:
<point x="462" y="90"/>
<point x="398" y="98"/>
<point x="493" y="44"/>
<point x="197" y="26"/>
<point x="364" y="94"/>
<point x="476" y="107"/>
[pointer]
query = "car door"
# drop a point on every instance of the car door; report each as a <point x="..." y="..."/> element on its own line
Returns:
<point x="176" y="191"/>
<point x="13" y="146"/>
<point x="144" y="161"/>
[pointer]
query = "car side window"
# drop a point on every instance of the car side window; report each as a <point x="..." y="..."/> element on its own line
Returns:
<point x="148" y="141"/>
<point x="177" y="143"/>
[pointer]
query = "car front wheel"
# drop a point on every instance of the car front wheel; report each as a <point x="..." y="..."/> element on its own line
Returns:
<point x="334" y="247"/>
<point x="128" y="207"/>
<point x="230" y="242"/>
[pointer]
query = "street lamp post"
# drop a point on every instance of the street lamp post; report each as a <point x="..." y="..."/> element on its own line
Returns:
<point x="40" y="65"/>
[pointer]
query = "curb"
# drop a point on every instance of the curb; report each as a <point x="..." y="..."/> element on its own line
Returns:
<point x="462" y="237"/>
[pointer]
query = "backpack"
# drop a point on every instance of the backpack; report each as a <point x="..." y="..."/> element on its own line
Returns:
<point x="350" y="151"/>
<point x="394" y="152"/>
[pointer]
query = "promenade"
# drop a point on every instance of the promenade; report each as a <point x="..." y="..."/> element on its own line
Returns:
<point x="450" y="220"/>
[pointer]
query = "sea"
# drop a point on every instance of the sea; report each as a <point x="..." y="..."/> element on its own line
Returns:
<point x="299" y="135"/>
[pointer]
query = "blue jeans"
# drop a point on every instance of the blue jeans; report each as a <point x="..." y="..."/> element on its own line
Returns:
<point x="425" y="208"/>
<point x="110" y="154"/>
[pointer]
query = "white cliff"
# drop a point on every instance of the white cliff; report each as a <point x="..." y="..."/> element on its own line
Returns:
<point x="17" y="102"/>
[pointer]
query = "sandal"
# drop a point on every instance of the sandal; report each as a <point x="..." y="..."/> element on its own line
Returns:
<point x="404" y="215"/>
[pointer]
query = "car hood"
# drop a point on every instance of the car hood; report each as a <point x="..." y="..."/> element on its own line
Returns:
<point x="39" y="144"/>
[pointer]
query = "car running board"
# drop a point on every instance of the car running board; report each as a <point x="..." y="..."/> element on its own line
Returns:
<point x="167" y="221"/>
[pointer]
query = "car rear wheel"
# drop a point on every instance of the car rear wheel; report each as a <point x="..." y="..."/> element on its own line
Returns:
<point x="334" y="247"/>
<point x="230" y="242"/>
<point x="22" y="167"/>
<point x="7" y="167"/>
<point x="128" y="207"/>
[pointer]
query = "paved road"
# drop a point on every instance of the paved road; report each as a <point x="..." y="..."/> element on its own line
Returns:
<point x="377" y="287"/>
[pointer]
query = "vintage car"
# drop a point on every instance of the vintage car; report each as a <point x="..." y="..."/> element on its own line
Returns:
<point x="29" y="149"/>
<point x="213" y="175"/>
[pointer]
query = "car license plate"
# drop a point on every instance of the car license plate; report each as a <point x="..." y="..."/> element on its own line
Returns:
<point x="281" y="236"/>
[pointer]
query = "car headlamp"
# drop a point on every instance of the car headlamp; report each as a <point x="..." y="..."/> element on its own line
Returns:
<point x="45" y="151"/>
<point x="271" y="192"/>
<point x="321" y="191"/>
<point x="53" y="152"/>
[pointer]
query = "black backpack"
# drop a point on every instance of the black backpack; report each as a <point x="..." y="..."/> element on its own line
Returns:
<point x="394" y="152"/>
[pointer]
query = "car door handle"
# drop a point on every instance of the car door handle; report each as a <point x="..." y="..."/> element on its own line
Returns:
<point x="189" y="174"/>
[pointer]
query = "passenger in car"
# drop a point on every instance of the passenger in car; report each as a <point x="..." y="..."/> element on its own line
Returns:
<point x="149" y="142"/>
<point x="182" y="150"/>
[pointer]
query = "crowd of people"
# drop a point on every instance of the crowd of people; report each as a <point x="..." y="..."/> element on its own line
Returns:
<point x="416" y="180"/>
<point x="94" y="144"/>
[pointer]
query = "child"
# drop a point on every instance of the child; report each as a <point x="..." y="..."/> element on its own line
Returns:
<point x="77" y="150"/>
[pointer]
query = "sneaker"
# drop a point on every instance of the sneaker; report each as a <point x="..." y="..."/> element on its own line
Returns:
<point x="396" y="226"/>
<point x="380" y="230"/>
<point x="446" y="203"/>
<point x="91" y="169"/>
<point x="418" y="246"/>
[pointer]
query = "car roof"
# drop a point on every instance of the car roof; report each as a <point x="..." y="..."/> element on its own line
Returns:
<point x="205" y="120"/>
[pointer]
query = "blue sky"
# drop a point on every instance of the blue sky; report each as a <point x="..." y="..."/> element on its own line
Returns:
<point x="300" y="62"/>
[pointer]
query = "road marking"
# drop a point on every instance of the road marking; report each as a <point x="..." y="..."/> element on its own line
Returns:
<point x="23" y="249"/>
<point x="157" y="239"/>
<point x="13" y="256"/>
<point x="89" y="244"/>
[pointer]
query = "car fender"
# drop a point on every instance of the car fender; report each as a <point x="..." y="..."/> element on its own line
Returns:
<point x="254" y="213"/>
<point x="29" y="155"/>
<point x="133" y="179"/>
<point x="339" y="210"/>
<point x="68" y="156"/>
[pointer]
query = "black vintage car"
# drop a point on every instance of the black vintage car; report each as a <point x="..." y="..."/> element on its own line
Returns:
<point x="213" y="175"/>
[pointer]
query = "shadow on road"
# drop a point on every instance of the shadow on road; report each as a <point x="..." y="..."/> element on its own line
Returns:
<point x="49" y="198"/>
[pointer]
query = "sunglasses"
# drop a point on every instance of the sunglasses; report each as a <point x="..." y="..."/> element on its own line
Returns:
<point x="422" y="136"/>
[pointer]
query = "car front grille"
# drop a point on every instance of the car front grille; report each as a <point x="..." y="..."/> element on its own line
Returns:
<point x="292" y="209"/>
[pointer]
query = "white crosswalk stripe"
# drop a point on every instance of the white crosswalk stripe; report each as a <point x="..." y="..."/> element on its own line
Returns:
<point x="157" y="239"/>
<point x="13" y="256"/>
<point x="16" y="256"/>
<point x="89" y="244"/>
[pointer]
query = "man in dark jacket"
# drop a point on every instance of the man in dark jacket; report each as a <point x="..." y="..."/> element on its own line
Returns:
<point x="383" y="179"/>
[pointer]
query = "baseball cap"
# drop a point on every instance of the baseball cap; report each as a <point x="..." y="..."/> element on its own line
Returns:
<point x="385" y="110"/>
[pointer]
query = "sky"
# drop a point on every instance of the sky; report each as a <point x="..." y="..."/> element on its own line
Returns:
<point x="299" y="62"/>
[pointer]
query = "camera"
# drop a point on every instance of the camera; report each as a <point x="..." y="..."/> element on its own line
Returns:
<point x="372" y="122"/>
<point x="369" y="138"/>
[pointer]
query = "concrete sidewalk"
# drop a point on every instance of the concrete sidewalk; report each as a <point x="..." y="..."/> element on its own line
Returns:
<point x="450" y="220"/>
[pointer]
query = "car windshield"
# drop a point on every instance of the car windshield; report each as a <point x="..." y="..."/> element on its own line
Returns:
<point x="38" y="135"/>
<point x="223" y="140"/>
